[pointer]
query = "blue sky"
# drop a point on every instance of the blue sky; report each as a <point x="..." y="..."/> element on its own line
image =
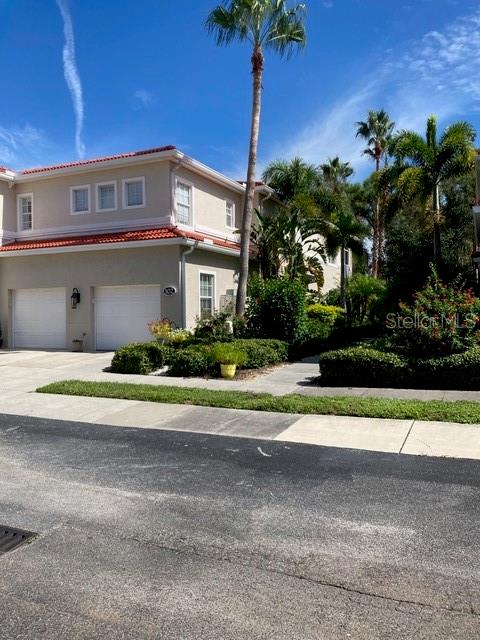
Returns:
<point x="144" y="73"/>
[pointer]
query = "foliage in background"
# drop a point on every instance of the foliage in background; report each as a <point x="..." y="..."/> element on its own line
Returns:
<point x="276" y="308"/>
<point x="443" y="319"/>
<point x="328" y="314"/>
<point x="366" y="296"/>
<point x="424" y="163"/>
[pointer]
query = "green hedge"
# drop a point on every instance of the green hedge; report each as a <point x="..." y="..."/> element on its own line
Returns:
<point x="140" y="358"/>
<point x="196" y="360"/>
<point x="365" y="367"/>
<point x="327" y="313"/>
<point x="362" y="367"/>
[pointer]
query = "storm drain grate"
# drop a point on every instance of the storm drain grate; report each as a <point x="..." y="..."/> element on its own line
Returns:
<point x="11" y="538"/>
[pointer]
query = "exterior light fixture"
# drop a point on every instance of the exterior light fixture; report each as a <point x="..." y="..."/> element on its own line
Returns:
<point x="75" y="298"/>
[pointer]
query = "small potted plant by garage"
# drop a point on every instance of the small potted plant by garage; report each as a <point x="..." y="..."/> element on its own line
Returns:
<point x="229" y="358"/>
<point x="77" y="344"/>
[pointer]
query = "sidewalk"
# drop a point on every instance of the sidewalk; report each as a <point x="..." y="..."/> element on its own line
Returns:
<point x="23" y="372"/>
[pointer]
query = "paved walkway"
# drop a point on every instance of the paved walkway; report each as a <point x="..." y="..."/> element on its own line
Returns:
<point x="24" y="371"/>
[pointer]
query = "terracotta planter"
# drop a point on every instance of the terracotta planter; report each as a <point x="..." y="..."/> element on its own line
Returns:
<point x="228" y="371"/>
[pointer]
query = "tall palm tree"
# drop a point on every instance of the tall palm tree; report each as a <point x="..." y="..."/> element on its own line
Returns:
<point x="264" y="24"/>
<point x="377" y="131"/>
<point x="424" y="163"/>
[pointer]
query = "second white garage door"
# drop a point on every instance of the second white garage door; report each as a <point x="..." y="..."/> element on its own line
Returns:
<point x="39" y="319"/>
<point x="122" y="314"/>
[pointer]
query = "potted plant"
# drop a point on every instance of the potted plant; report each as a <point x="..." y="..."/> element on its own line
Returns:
<point x="77" y="344"/>
<point x="228" y="358"/>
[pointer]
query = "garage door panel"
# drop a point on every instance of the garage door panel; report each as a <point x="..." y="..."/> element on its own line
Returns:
<point x="39" y="318"/>
<point x="122" y="314"/>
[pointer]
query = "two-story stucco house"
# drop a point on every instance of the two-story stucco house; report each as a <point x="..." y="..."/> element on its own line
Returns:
<point x="138" y="236"/>
<point x="94" y="250"/>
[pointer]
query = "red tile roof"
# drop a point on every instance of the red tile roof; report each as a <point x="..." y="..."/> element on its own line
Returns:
<point x="162" y="233"/>
<point x="79" y="163"/>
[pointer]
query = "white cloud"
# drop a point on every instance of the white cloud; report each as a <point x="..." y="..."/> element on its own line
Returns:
<point x="72" y="77"/>
<point x="142" y="98"/>
<point x="438" y="74"/>
<point x="21" y="145"/>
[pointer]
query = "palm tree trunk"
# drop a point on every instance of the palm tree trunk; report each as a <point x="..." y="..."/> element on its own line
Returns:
<point x="437" y="249"/>
<point x="343" y="297"/>
<point x="376" y="248"/>
<point x="257" y="73"/>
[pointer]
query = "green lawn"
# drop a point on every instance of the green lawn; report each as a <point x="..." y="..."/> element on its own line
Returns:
<point x="460" y="411"/>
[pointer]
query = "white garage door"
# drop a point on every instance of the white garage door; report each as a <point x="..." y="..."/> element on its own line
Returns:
<point x="39" y="319"/>
<point x="123" y="313"/>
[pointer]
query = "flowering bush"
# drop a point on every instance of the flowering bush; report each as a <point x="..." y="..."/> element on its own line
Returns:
<point x="164" y="332"/>
<point x="442" y="320"/>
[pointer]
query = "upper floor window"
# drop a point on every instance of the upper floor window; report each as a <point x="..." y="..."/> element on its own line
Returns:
<point x="106" y="196"/>
<point x="80" y="199"/>
<point x="183" y="202"/>
<point x="25" y="211"/>
<point x="133" y="193"/>
<point x="230" y="214"/>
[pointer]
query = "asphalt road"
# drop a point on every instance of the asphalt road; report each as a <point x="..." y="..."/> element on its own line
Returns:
<point x="151" y="534"/>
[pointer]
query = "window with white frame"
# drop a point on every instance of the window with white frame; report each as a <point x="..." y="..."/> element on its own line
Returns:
<point x="207" y="295"/>
<point x="183" y="202"/>
<point x="106" y="196"/>
<point x="133" y="193"/>
<point x="80" y="199"/>
<point x="230" y="214"/>
<point x="25" y="211"/>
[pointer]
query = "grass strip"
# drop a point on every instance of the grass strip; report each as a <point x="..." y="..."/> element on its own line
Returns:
<point x="457" y="411"/>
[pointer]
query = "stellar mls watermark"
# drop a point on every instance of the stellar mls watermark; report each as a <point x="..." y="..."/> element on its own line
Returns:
<point x="424" y="321"/>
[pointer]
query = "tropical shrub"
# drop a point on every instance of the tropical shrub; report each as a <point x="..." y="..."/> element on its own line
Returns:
<point x="442" y="320"/>
<point x="262" y="353"/>
<point x="140" y="358"/>
<point x="363" y="367"/>
<point x="195" y="361"/>
<point x="165" y="332"/>
<point x="366" y="367"/>
<point x="457" y="371"/>
<point x="200" y="359"/>
<point x="214" y="328"/>
<point x="326" y="313"/>
<point x="365" y="296"/>
<point x="276" y="309"/>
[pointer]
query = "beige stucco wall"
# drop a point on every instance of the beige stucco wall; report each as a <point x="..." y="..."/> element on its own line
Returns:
<point x="225" y="269"/>
<point x="8" y="218"/>
<point x="85" y="270"/>
<point x="209" y="202"/>
<point x="51" y="196"/>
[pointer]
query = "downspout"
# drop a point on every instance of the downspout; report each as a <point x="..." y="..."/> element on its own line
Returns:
<point x="183" y="282"/>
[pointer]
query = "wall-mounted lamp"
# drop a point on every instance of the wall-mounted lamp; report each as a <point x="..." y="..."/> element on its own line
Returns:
<point x="75" y="298"/>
